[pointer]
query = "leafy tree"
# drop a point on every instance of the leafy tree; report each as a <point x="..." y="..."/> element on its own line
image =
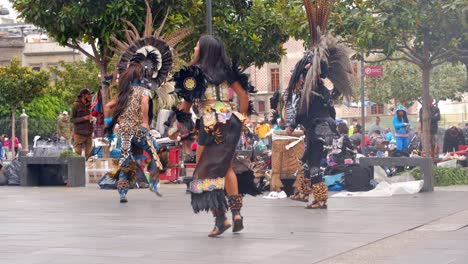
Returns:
<point x="253" y="31"/>
<point x="42" y="112"/>
<point x="94" y="21"/>
<point x="427" y="33"/>
<point x="19" y="86"/>
<point x="401" y="83"/>
<point x="71" y="77"/>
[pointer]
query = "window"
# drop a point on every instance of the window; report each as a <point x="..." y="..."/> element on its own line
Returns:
<point x="377" y="109"/>
<point x="261" y="106"/>
<point x="36" y="68"/>
<point x="275" y="79"/>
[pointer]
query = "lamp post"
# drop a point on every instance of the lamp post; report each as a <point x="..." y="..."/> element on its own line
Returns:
<point x="363" y="109"/>
<point x="209" y="18"/>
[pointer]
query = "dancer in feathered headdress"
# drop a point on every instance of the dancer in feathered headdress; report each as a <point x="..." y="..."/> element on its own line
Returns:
<point x="327" y="59"/>
<point x="143" y="67"/>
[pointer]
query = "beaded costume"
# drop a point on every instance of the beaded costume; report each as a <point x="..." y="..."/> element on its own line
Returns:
<point x="220" y="130"/>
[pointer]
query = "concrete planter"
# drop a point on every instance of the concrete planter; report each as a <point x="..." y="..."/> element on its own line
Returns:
<point x="38" y="171"/>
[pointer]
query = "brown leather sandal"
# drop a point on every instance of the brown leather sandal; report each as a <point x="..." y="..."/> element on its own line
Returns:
<point x="219" y="230"/>
<point x="317" y="205"/>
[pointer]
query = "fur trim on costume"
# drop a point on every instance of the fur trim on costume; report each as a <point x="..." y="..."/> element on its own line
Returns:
<point x="190" y="83"/>
<point x="242" y="78"/>
<point x="235" y="202"/>
<point x="320" y="191"/>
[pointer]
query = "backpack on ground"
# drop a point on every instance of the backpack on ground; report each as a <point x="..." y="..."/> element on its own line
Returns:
<point x="357" y="178"/>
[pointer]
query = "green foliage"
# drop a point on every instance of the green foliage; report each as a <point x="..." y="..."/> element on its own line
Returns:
<point x="68" y="153"/>
<point x="253" y="33"/>
<point x="401" y="82"/>
<point x="42" y="112"/>
<point x="253" y="30"/>
<point x="20" y="85"/>
<point x="445" y="176"/>
<point x="71" y="77"/>
<point x="392" y="25"/>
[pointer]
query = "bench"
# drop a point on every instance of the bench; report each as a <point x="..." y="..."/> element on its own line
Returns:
<point x="425" y="164"/>
<point x="57" y="170"/>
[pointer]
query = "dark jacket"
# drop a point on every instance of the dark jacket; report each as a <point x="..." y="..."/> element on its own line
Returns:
<point x="452" y="139"/>
<point x="434" y="118"/>
<point x="79" y="111"/>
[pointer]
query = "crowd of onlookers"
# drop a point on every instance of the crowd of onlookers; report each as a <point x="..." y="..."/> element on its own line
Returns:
<point x="378" y="141"/>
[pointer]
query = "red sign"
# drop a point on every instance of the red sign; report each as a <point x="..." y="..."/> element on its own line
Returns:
<point x="373" y="71"/>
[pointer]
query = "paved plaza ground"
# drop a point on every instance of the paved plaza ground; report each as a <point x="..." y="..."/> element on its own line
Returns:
<point x="45" y="225"/>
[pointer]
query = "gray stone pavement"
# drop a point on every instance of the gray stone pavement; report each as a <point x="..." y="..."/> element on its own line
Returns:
<point x="40" y="225"/>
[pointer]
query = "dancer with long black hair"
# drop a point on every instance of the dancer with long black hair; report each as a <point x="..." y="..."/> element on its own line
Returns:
<point x="206" y="82"/>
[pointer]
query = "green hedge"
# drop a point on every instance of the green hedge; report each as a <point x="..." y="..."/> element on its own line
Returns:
<point x="445" y="176"/>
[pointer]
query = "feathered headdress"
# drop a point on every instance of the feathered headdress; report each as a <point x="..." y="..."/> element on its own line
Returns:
<point x="330" y="58"/>
<point x="153" y="50"/>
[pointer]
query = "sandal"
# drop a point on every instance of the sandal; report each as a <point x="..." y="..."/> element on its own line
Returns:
<point x="238" y="224"/>
<point x="317" y="205"/>
<point x="294" y="197"/>
<point x="218" y="230"/>
<point x="304" y="198"/>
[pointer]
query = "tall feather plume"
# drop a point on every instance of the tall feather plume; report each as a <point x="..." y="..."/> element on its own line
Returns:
<point x="148" y="21"/>
<point x="157" y="33"/>
<point x="134" y="40"/>
<point x="178" y="35"/>
<point x="328" y="54"/>
<point x="133" y="28"/>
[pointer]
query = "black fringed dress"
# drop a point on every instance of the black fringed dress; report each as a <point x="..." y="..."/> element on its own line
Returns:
<point x="220" y="130"/>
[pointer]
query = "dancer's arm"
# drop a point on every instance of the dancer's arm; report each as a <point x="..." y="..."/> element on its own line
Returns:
<point x="185" y="106"/>
<point x="109" y="108"/>
<point x="243" y="97"/>
<point x="144" y="110"/>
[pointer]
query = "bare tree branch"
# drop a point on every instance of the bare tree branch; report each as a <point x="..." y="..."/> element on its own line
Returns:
<point x="78" y="47"/>
<point x="97" y="59"/>
<point x="408" y="59"/>
<point x="405" y="49"/>
<point x="442" y="56"/>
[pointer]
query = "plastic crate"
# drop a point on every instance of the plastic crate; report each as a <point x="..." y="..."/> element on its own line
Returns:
<point x="171" y="174"/>
<point x="174" y="156"/>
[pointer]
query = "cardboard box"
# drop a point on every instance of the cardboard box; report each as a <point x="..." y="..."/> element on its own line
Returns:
<point x="96" y="169"/>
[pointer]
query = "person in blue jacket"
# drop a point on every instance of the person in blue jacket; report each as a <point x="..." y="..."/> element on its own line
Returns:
<point x="401" y="126"/>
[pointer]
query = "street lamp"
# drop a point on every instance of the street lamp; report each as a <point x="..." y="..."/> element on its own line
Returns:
<point x="209" y="18"/>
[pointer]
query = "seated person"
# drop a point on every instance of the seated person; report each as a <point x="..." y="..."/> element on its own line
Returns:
<point x="342" y="147"/>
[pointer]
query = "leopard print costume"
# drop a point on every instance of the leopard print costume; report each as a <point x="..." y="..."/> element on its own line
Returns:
<point x="131" y="132"/>
<point x="130" y="121"/>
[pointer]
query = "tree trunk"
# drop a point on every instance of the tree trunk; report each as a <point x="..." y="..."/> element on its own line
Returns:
<point x="12" y="141"/>
<point x="105" y="93"/>
<point x="426" y="106"/>
<point x="105" y="89"/>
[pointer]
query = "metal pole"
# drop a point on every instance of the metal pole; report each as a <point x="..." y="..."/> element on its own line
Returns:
<point x="363" y="109"/>
<point x="209" y="18"/>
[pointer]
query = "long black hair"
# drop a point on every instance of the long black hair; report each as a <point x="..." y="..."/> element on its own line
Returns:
<point x="298" y="73"/>
<point x="133" y="73"/>
<point x="403" y="118"/>
<point x="212" y="59"/>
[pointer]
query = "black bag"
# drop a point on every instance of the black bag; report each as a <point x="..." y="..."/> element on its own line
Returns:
<point x="357" y="178"/>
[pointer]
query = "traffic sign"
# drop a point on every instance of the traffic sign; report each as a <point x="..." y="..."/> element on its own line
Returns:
<point x="373" y="71"/>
